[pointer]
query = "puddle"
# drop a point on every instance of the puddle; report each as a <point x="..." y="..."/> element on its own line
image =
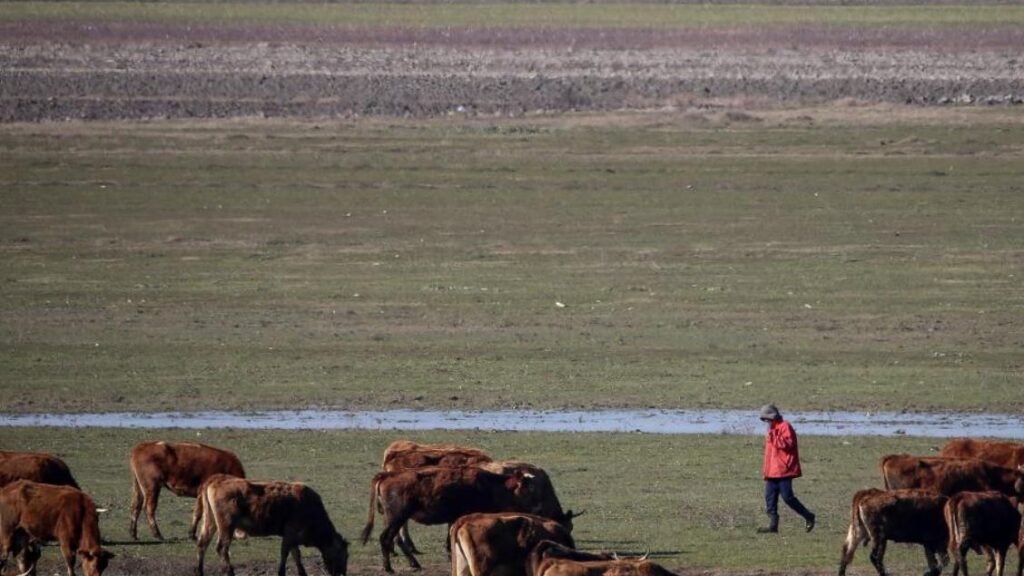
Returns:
<point x="742" y="422"/>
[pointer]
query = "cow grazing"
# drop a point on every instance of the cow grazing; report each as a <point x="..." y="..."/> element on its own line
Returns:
<point x="1005" y="454"/>
<point x="949" y="476"/>
<point x="34" y="466"/>
<point x="484" y="543"/>
<point x="913" y="516"/>
<point x="982" y="520"/>
<point x="440" y="495"/>
<point x="33" y="513"/>
<point x="408" y="455"/>
<point x="540" y="492"/>
<point x="290" y="510"/>
<point x="552" y="559"/>
<point x="181" y="467"/>
<point x="405" y="455"/>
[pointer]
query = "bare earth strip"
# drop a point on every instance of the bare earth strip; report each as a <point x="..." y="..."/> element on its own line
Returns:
<point x="64" y="70"/>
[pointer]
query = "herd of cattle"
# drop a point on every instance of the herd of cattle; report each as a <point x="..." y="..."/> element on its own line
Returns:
<point x="967" y="498"/>
<point x="502" y="515"/>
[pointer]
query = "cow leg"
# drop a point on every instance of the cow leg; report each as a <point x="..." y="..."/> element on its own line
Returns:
<point x="404" y="546"/>
<point x="404" y="535"/>
<point x="297" y="557"/>
<point x="878" y="555"/>
<point x="853" y="539"/>
<point x="1000" y="561"/>
<point x="197" y="515"/>
<point x="388" y="537"/>
<point x="224" y="534"/>
<point x="990" y="561"/>
<point x="933" y="566"/>
<point x="136" y="508"/>
<point x="69" y="557"/>
<point x="152" y="495"/>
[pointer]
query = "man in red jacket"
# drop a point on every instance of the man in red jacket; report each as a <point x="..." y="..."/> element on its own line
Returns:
<point x="781" y="466"/>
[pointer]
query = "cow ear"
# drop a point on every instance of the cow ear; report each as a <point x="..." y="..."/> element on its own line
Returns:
<point x="107" y="554"/>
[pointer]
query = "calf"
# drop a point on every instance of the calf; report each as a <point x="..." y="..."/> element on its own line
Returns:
<point x="290" y="510"/>
<point x="982" y="519"/>
<point x="439" y="495"/>
<point x="914" y="516"/>
<point x="32" y="513"/>
<point x="408" y="455"/>
<point x="482" y="543"/>
<point x="34" y="466"/>
<point x="1005" y="454"/>
<point x="552" y="559"/>
<point x="950" y="475"/>
<point x="181" y="467"/>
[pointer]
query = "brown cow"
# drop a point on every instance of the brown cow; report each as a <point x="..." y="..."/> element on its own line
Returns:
<point x="181" y="467"/>
<point x="483" y="543"/>
<point x="540" y="492"/>
<point x="408" y="455"/>
<point x="290" y="510"/>
<point x="32" y="513"/>
<point x="1005" y="454"/>
<point x="982" y="519"/>
<point x="552" y="559"/>
<point x="440" y="495"/>
<point x="950" y="475"/>
<point x="34" y="466"/>
<point x="405" y="455"/>
<point x="914" y="516"/>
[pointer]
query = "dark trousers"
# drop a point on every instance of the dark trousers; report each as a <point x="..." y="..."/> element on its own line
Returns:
<point x="775" y="487"/>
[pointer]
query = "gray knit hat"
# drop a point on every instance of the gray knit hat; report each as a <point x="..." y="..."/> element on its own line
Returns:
<point x="770" y="412"/>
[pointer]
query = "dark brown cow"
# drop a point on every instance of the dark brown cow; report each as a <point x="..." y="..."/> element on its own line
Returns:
<point x="950" y="475"/>
<point x="483" y="543"/>
<point x="552" y="559"/>
<point x="290" y="510"/>
<point x="405" y="455"/>
<point x="408" y="455"/>
<point x="913" y="516"/>
<point x="440" y="495"/>
<point x="982" y="520"/>
<point x="1005" y="454"/>
<point x="34" y="466"/>
<point x="181" y="467"/>
<point x="33" y="513"/>
<point x="540" y="492"/>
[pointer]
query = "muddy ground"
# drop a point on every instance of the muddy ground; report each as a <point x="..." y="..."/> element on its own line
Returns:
<point x="135" y="70"/>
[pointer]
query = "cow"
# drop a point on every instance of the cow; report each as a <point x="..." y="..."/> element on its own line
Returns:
<point x="482" y="543"/>
<point x="1005" y="454"/>
<point x="540" y="492"/>
<point x="902" y="515"/>
<point x="552" y="559"/>
<point x="982" y="520"/>
<point x="407" y="455"/>
<point x="32" y="513"/>
<point x="440" y="495"/>
<point x="34" y="466"/>
<point x="181" y="467"/>
<point x="950" y="475"/>
<point x="290" y="510"/>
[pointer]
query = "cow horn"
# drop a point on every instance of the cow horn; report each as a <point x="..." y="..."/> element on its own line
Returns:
<point x="27" y="572"/>
<point x="646" y="554"/>
<point x="615" y="555"/>
<point x="102" y="510"/>
<point x="570" y="514"/>
<point x="528" y="475"/>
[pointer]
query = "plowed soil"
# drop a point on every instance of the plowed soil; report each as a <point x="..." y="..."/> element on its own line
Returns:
<point x="135" y="70"/>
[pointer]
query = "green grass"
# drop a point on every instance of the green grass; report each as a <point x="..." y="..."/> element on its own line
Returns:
<point x="693" y="501"/>
<point x="521" y="15"/>
<point x="417" y="264"/>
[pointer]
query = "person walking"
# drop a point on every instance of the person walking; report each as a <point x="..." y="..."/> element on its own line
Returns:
<point x="781" y="466"/>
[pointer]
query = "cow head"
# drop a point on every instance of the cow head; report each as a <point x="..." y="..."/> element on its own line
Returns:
<point x="94" y="562"/>
<point x="336" y="556"/>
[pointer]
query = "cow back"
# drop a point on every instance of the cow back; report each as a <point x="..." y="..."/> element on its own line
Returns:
<point x="51" y="513"/>
<point x="184" y="466"/>
<point x="1005" y="454"/>
<point x="37" y="467"/>
<point x="905" y="515"/>
<point x="948" y="475"/>
<point x="406" y="455"/>
<point x="984" y="518"/>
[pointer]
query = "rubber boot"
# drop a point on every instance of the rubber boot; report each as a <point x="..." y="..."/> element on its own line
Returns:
<point x="772" y="527"/>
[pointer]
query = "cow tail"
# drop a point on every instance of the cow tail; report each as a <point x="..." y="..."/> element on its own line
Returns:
<point x="205" y="506"/>
<point x="368" y="529"/>
<point x="459" y="559"/>
<point x="862" y="525"/>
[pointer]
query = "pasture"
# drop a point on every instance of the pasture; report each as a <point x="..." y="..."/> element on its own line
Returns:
<point x="830" y="258"/>
<point x="693" y="501"/>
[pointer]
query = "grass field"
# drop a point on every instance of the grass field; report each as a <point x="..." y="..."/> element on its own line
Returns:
<point x="693" y="501"/>
<point x="704" y="261"/>
<point x="624" y="15"/>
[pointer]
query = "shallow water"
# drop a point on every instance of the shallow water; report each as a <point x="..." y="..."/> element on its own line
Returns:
<point x="741" y="422"/>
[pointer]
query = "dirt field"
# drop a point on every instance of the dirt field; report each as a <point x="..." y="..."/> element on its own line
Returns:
<point x="58" y="69"/>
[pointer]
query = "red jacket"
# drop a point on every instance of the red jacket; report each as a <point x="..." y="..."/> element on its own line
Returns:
<point x="781" y="456"/>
